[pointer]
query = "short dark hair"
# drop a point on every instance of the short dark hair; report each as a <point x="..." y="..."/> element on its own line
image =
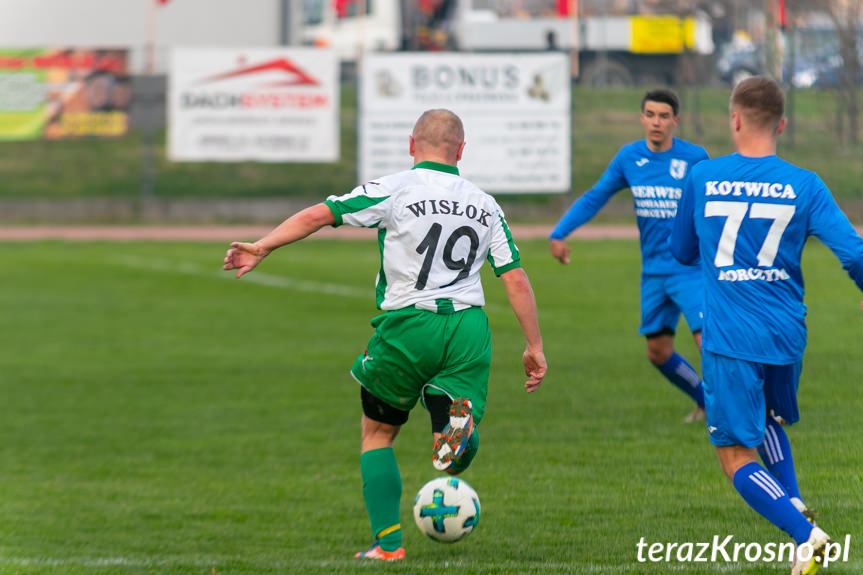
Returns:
<point x="663" y="96"/>
<point x="760" y="100"/>
<point x="439" y="127"/>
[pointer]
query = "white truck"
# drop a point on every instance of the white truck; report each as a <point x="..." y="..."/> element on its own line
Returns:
<point x="621" y="47"/>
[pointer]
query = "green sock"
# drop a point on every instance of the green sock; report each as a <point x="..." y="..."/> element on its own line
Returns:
<point x="469" y="452"/>
<point x="382" y="491"/>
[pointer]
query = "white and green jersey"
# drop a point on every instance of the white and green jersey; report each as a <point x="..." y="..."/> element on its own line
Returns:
<point x="434" y="230"/>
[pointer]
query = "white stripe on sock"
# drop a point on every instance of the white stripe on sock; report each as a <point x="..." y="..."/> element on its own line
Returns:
<point x="758" y="482"/>
<point x="776" y="447"/>
<point x="772" y="480"/>
<point x="687" y="373"/>
<point x="768" y="447"/>
<point x="767" y="483"/>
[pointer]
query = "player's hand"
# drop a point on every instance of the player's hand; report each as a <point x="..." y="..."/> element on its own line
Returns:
<point x="560" y="251"/>
<point x="243" y="257"/>
<point x="535" y="367"/>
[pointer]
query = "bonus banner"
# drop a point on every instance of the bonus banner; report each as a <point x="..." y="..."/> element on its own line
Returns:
<point x="515" y="109"/>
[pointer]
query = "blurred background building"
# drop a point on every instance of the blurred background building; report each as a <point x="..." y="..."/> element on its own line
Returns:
<point x="613" y="42"/>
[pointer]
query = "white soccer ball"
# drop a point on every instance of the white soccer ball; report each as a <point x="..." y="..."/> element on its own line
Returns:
<point x="446" y="509"/>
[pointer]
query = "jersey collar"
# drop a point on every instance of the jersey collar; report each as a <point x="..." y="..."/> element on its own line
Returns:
<point x="649" y="151"/>
<point x="437" y="166"/>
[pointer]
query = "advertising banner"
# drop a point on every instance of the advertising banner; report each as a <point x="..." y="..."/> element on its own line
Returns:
<point x="662" y="34"/>
<point x="63" y="93"/>
<point x="515" y="109"/>
<point x="259" y="104"/>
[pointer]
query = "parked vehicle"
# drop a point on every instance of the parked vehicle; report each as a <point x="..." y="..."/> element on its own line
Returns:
<point x="816" y="63"/>
<point x="831" y="72"/>
<point x="736" y="62"/>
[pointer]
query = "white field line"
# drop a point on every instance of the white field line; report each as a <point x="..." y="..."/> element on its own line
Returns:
<point x="292" y="564"/>
<point x="262" y="278"/>
<point x="256" y="277"/>
<point x="347" y="564"/>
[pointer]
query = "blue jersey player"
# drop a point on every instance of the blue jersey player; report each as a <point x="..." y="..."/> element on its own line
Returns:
<point x="654" y="169"/>
<point x="748" y="216"/>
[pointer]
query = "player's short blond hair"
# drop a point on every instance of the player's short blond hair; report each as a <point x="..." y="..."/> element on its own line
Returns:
<point x="439" y="129"/>
<point x="760" y="101"/>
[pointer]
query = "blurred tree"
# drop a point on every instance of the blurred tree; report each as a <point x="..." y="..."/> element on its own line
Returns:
<point x="845" y="15"/>
<point x="846" y="18"/>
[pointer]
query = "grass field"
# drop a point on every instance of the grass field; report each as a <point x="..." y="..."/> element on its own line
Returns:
<point x="160" y="418"/>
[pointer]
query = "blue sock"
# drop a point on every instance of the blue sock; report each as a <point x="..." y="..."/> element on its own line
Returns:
<point x="775" y="452"/>
<point x="679" y="372"/>
<point x="765" y="495"/>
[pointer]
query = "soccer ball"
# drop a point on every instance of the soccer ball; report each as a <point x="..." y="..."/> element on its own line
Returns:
<point x="446" y="509"/>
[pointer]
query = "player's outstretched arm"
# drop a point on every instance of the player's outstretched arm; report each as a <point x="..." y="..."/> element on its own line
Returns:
<point x="520" y="294"/>
<point x="588" y="205"/>
<point x="244" y="257"/>
<point x="559" y="250"/>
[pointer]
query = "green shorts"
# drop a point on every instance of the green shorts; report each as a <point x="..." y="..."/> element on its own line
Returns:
<point x="412" y="349"/>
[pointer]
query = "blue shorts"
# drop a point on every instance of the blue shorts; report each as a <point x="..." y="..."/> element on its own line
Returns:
<point x="738" y="393"/>
<point x="665" y="296"/>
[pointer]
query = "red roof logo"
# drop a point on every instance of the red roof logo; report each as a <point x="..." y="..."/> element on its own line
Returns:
<point x="294" y="75"/>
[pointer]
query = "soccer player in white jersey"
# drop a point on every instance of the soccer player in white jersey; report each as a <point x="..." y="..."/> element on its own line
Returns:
<point x="654" y="169"/>
<point x="747" y="216"/>
<point x="432" y="344"/>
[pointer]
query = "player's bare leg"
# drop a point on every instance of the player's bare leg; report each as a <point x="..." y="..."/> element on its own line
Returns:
<point x="376" y="435"/>
<point x="733" y="457"/>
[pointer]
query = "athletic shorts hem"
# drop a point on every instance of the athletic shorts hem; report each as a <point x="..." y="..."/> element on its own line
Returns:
<point x="367" y="388"/>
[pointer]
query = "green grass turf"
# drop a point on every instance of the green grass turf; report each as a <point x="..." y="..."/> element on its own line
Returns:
<point x="161" y="418"/>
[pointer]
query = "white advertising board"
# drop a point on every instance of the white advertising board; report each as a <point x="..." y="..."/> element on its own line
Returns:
<point x="515" y="109"/>
<point x="259" y="104"/>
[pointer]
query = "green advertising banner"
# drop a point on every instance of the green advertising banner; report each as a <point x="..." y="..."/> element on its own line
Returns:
<point x="63" y="93"/>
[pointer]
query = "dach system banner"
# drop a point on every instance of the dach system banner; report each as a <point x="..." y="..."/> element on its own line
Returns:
<point x="515" y="109"/>
<point x="268" y="105"/>
<point x="61" y="93"/>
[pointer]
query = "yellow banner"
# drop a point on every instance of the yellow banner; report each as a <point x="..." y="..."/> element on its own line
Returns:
<point x="662" y="34"/>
